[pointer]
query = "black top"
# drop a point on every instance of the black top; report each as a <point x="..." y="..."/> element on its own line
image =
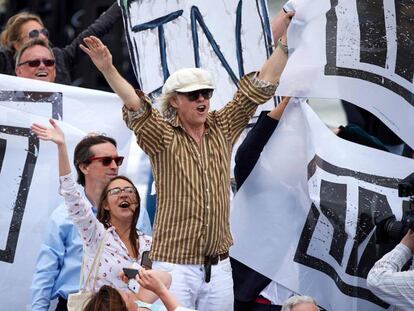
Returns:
<point x="248" y="283"/>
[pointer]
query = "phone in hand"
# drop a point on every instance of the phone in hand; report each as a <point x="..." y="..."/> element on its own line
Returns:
<point x="132" y="282"/>
<point x="130" y="272"/>
<point x="146" y="262"/>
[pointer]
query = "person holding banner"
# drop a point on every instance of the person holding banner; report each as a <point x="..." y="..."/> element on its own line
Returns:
<point x="114" y="226"/>
<point x="252" y="290"/>
<point x="189" y="148"/>
<point x="23" y="26"/>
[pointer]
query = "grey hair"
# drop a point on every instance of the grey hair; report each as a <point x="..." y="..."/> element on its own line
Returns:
<point x="297" y="300"/>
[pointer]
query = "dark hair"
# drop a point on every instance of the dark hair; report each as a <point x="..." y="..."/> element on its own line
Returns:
<point x="32" y="43"/>
<point x="104" y="217"/>
<point x="83" y="152"/>
<point x="106" y="299"/>
<point x="11" y="32"/>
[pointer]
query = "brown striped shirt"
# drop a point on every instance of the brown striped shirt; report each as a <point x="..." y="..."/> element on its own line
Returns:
<point x="192" y="184"/>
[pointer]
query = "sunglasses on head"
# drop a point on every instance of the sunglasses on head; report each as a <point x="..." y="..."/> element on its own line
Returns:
<point x="35" y="33"/>
<point x="106" y="161"/>
<point x="117" y="190"/>
<point x="194" y="95"/>
<point x="37" y="62"/>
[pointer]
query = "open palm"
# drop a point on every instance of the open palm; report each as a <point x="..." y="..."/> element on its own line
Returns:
<point x="53" y="134"/>
<point x="98" y="52"/>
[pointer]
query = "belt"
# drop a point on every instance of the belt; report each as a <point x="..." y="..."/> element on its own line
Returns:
<point x="212" y="260"/>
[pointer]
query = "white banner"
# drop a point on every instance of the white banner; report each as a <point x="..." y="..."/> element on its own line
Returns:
<point x="227" y="37"/>
<point x="310" y="205"/>
<point x="361" y="51"/>
<point x="28" y="167"/>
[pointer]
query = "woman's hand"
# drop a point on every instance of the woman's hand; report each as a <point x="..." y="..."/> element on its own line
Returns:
<point x="53" y="134"/>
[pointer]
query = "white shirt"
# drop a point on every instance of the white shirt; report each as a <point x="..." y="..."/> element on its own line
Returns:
<point x="390" y="284"/>
<point x="114" y="255"/>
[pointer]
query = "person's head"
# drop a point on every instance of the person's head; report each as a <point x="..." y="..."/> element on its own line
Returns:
<point x="110" y="299"/>
<point x="120" y="201"/>
<point x="96" y="160"/>
<point x="300" y="303"/>
<point x="35" y="60"/>
<point x="187" y="92"/>
<point x="21" y="28"/>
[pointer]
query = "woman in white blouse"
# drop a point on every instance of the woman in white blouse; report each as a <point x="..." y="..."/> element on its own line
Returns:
<point x="114" y="226"/>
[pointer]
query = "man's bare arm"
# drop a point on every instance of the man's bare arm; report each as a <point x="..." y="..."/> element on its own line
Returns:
<point x="102" y="58"/>
<point x="273" y="67"/>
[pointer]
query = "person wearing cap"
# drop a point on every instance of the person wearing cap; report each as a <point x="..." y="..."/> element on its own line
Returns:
<point x="190" y="148"/>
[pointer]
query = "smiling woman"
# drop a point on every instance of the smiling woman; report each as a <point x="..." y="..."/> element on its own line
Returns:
<point x="114" y="227"/>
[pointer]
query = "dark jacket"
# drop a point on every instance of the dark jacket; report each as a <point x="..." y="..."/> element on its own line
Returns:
<point x="67" y="57"/>
<point x="247" y="282"/>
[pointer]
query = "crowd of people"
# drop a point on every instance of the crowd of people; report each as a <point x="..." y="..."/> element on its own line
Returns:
<point x="95" y="233"/>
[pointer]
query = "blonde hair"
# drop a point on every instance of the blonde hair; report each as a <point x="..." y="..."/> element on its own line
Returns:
<point x="163" y="101"/>
<point x="11" y="32"/>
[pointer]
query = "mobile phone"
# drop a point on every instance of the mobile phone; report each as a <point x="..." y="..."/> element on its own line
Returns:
<point x="146" y="261"/>
<point x="130" y="272"/>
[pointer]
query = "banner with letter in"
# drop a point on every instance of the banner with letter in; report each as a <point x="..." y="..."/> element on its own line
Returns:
<point x="310" y="206"/>
<point x="229" y="38"/>
<point x="29" y="167"/>
<point x="361" y="51"/>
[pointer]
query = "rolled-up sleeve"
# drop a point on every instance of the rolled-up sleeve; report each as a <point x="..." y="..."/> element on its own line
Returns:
<point x="152" y="131"/>
<point x="252" y="92"/>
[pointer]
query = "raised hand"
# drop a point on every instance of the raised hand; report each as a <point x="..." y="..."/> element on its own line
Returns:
<point x="98" y="52"/>
<point x="280" y="24"/>
<point x="53" y="134"/>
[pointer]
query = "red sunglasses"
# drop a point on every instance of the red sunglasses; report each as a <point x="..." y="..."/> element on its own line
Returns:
<point x="106" y="161"/>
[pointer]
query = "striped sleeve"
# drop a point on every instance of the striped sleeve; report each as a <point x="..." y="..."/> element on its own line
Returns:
<point x="152" y="131"/>
<point x="234" y="117"/>
<point x="388" y="282"/>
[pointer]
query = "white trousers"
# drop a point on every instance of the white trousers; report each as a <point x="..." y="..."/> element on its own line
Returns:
<point x="189" y="287"/>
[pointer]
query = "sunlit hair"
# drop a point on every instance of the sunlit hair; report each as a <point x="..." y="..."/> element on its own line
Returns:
<point x="104" y="215"/>
<point x="163" y="100"/>
<point x="83" y="152"/>
<point x="297" y="300"/>
<point x="11" y="32"/>
<point x="31" y="43"/>
<point x="106" y="299"/>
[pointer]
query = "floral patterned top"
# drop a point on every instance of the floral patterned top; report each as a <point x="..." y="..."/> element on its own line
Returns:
<point x="114" y="255"/>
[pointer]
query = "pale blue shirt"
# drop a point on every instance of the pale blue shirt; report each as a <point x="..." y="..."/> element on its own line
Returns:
<point x="59" y="261"/>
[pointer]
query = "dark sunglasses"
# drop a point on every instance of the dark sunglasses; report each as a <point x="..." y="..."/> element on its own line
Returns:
<point x="194" y="95"/>
<point x="117" y="191"/>
<point x="106" y="161"/>
<point x="37" y="62"/>
<point x="35" y="33"/>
